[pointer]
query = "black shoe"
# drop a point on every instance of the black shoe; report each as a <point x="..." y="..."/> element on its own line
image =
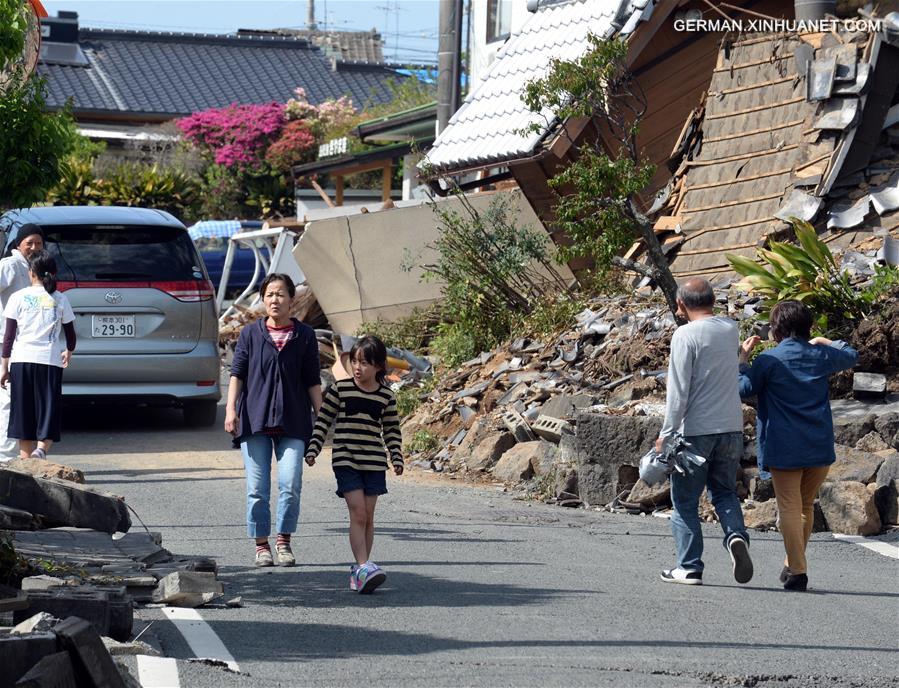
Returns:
<point x="785" y="574"/>
<point x="739" y="555"/>
<point x="797" y="582"/>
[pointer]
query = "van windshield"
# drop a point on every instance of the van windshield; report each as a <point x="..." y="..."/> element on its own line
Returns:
<point x="128" y="254"/>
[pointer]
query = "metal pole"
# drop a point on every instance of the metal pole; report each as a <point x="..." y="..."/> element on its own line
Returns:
<point x="310" y="15"/>
<point x="457" y="55"/>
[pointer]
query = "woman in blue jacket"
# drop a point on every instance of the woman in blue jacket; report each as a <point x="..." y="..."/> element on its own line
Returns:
<point x="274" y="391"/>
<point x="795" y="426"/>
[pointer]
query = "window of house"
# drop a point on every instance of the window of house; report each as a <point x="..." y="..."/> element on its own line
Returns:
<point x="499" y="20"/>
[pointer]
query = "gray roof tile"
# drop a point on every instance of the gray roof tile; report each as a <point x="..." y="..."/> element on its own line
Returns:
<point x="177" y="74"/>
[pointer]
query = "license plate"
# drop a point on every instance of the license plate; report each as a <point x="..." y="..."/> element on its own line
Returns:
<point x="112" y="326"/>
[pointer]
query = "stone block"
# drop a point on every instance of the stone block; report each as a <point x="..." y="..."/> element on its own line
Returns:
<point x="869" y="385"/>
<point x="760" y="515"/>
<point x="849" y="508"/>
<point x="18" y="653"/>
<point x="488" y="451"/>
<point x="854" y="465"/>
<point x="872" y="442"/>
<point x="518" y="463"/>
<point x="52" y="671"/>
<point x="42" y="468"/>
<point x="63" y="503"/>
<point x="847" y="430"/>
<point x="92" y="664"/>
<point x="650" y="497"/>
<point x="820" y="522"/>
<point x="604" y="444"/>
<point x="761" y="490"/>
<point x="889" y="470"/>
<point x="887" y="426"/>
<point x="188" y="589"/>
<point x="886" y="499"/>
<point x="479" y="429"/>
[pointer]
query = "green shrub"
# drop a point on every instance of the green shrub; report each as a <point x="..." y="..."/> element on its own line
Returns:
<point x="423" y="442"/>
<point x="150" y="186"/>
<point x="809" y="273"/>
<point x="412" y="332"/>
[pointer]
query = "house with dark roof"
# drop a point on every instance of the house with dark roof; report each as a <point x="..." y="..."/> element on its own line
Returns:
<point x="364" y="47"/>
<point x="134" y="78"/>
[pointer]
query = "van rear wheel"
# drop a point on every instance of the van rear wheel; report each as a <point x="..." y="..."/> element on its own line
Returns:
<point x="200" y="413"/>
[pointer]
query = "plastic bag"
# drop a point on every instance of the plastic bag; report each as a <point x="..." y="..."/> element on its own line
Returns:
<point x="677" y="455"/>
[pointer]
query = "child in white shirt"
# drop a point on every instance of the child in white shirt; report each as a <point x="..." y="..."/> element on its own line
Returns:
<point x="38" y="342"/>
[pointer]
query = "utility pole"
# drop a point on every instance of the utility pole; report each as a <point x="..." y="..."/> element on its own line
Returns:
<point x="310" y="15"/>
<point x="449" y="51"/>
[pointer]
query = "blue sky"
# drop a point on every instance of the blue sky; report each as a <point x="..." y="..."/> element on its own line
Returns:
<point x="409" y="27"/>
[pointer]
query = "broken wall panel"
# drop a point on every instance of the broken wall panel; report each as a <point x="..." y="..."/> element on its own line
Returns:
<point x="354" y="264"/>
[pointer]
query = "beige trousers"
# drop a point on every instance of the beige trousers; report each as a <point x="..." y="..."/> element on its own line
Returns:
<point x="795" y="491"/>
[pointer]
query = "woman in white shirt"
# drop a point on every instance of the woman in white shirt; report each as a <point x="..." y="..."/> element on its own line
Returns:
<point x="37" y="344"/>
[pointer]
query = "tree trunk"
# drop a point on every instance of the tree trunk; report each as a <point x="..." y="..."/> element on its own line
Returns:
<point x="664" y="279"/>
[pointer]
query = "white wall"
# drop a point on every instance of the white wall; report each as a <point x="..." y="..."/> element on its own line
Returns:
<point x="483" y="53"/>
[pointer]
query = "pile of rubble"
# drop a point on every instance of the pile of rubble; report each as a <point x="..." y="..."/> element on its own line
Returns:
<point x="65" y="625"/>
<point x="567" y="421"/>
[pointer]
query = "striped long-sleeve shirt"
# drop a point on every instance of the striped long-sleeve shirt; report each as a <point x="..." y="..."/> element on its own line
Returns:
<point x="365" y="422"/>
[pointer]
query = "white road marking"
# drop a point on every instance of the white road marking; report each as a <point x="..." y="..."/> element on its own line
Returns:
<point x="199" y="635"/>
<point x="157" y="672"/>
<point x="887" y="549"/>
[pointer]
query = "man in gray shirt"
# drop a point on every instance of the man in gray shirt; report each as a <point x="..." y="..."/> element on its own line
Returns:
<point x="703" y="404"/>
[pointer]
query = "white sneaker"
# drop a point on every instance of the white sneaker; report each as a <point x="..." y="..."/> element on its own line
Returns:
<point x="682" y="576"/>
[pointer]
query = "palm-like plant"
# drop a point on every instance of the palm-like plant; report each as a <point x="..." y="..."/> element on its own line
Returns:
<point x="808" y="273"/>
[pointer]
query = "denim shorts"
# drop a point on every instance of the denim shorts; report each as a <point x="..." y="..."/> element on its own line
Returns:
<point x="373" y="483"/>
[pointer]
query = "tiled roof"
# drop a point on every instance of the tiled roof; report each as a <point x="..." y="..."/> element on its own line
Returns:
<point x="767" y="152"/>
<point x="348" y="46"/>
<point x="486" y="129"/>
<point x="176" y="74"/>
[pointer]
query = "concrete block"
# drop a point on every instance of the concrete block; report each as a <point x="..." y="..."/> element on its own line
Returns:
<point x="17" y="519"/>
<point x="11" y="599"/>
<point x="188" y="589"/>
<point x="90" y="659"/>
<point x="63" y="503"/>
<point x="518" y="426"/>
<point x="86" y="602"/>
<point x="52" y="671"/>
<point x="869" y="386"/>
<point x="18" y="653"/>
<point x="43" y="582"/>
<point x="565" y="406"/>
<point x="550" y="428"/>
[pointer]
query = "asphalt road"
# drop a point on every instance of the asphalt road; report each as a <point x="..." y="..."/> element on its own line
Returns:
<point x="483" y="590"/>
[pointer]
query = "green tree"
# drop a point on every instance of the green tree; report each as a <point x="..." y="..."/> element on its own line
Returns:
<point x="33" y="143"/>
<point x="13" y="24"/>
<point x="597" y="193"/>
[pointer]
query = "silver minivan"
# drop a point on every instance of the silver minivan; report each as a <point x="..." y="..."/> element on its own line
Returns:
<point x="144" y="306"/>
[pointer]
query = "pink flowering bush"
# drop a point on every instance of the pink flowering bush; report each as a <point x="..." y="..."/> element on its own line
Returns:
<point x="293" y="147"/>
<point x="237" y="136"/>
<point x="328" y="116"/>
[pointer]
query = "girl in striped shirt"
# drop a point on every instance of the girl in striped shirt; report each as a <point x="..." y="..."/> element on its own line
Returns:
<point x="363" y="410"/>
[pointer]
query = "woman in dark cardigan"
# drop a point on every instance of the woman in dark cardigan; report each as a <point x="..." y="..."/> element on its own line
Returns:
<point x="274" y="392"/>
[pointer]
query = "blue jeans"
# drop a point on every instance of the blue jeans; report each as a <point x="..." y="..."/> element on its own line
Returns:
<point x="722" y="453"/>
<point x="257" y="457"/>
